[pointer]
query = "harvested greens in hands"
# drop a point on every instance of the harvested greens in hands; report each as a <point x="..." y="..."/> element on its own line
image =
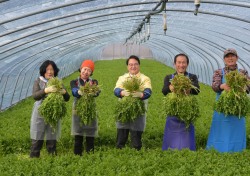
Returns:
<point x="129" y="108"/>
<point x="235" y="101"/>
<point x="180" y="102"/>
<point x="86" y="105"/>
<point x="53" y="107"/>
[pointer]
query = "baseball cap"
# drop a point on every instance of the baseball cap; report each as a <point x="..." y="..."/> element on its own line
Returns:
<point x="230" y="51"/>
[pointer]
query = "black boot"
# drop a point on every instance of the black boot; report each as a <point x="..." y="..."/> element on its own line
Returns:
<point x="35" y="149"/>
<point x="78" y="145"/>
<point x="136" y="139"/>
<point x="122" y="137"/>
<point x="90" y="144"/>
<point x="51" y="147"/>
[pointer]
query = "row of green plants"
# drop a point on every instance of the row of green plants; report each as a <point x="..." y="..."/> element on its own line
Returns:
<point x="114" y="162"/>
<point x="107" y="160"/>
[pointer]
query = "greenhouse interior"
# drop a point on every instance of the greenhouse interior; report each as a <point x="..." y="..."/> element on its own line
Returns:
<point x="71" y="31"/>
<point x="67" y="32"/>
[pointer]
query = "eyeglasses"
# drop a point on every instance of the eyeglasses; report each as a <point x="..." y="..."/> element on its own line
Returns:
<point x="135" y="64"/>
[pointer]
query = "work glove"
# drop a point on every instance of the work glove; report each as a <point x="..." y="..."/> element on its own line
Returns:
<point x="137" y="94"/>
<point x="80" y="92"/>
<point x="62" y="91"/>
<point x="92" y="94"/>
<point x="50" y="89"/>
<point x="125" y="93"/>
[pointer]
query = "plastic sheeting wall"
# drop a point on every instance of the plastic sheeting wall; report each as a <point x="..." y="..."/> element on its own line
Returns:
<point x="69" y="31"/>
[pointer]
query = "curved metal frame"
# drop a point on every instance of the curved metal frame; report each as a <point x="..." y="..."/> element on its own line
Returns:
<point x="25" y="52"/>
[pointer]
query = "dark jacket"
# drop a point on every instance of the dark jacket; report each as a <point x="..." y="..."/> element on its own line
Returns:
<point x="38" y="92"/>
<point x="192" y="77"/>
<point x="75" y="84"/>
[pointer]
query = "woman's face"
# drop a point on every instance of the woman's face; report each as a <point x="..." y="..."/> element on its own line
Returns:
<point x="230" y="60"/>
<point x="49" y="72"/>
<point x="85" y="73"/>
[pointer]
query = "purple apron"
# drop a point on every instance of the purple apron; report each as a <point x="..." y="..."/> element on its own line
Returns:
<point x="177" y="136"/>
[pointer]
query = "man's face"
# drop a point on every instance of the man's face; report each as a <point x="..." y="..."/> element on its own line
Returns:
<point x="133" y="66"/>
<point x="181" y="64"/>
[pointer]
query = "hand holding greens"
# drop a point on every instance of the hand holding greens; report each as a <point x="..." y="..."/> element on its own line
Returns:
<point x="129" y="108"/>
<point x="86" y="106"/>
<point x="180" y="102"/>
<point x="235" y="101"/>
<point x="53" y="107"/>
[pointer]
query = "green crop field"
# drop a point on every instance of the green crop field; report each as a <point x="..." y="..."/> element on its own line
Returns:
<point x="107" y="160"/>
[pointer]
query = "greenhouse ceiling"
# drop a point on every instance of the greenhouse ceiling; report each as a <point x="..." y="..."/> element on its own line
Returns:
<point x="67" y="31"/>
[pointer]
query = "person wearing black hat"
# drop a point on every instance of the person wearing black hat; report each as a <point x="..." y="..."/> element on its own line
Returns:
<point x="227" y="133"/>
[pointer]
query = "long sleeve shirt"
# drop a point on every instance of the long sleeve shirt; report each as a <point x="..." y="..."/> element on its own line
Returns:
<point x="192" y="77"/>
<point x="217" y="78"/>
<point x="75" y="85"/>
<point x="145" y="88"/>
<point x="38" y="91"/>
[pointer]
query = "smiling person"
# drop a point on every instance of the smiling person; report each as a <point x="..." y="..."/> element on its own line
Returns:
<point x="227" y="133"/>
<point x="176" y="135"/>
<point x="137" y="126"/>
<point x="80" y="129"/>
<point x="38" y="128"/>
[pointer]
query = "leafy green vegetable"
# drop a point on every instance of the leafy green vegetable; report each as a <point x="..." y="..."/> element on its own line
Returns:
<point x="182" y="84"/>
<point x="235" y="101"/>
<point x="184" y="107"/>
<point x="86" y="105"/>
<point x="180" y="103"/>
<point x="53" y="107"/>
<point x="107" y="160"/>
<point x="56" y="82"/>
<point x="129" y="108"/>
<point x="132" y="84"/>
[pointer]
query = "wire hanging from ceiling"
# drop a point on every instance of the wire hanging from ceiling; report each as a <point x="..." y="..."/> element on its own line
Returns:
<point x="141" y="34"/>
<point x="146" y="19"/>
<point x="197" y="5"/>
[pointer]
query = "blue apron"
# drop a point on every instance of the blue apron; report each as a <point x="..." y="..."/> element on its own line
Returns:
<point x="227" y="133"/>
<point x="176" y="135"/>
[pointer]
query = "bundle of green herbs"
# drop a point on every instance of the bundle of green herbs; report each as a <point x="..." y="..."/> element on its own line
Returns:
<point x="53" y="107"/>
<point x="86" y="105"/>
<point x="180" y="102"/>
<point x="235" y="101"/>
<point x="129" y="108"/>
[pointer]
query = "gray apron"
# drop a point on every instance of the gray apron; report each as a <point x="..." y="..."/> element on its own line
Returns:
<point x="80" y="129"/>
<point x="38" y="128"/>
<point x="138" y="124"/>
